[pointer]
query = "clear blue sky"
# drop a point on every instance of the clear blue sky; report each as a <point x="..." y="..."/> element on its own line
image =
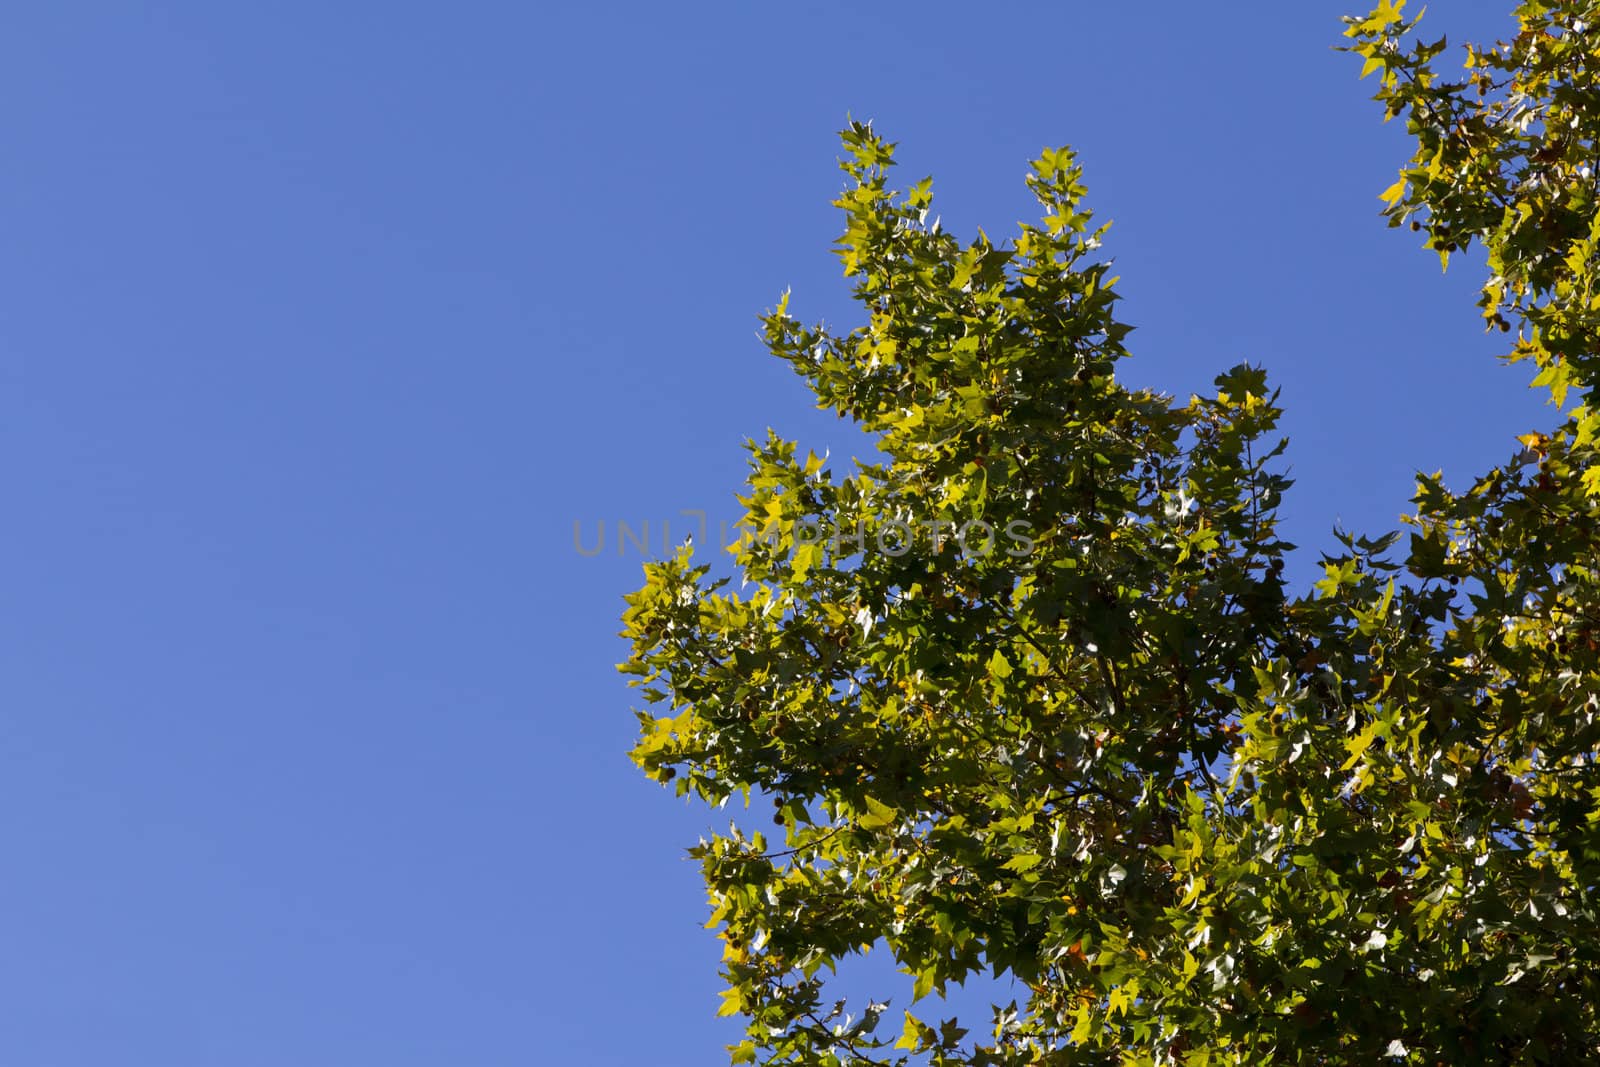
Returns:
<point x="322" y="324"/>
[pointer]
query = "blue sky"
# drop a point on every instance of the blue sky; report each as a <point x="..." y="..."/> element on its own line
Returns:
<point x="323" y="324"/>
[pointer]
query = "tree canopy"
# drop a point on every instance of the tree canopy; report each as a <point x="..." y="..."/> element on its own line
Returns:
<point x="1030" y="695"/>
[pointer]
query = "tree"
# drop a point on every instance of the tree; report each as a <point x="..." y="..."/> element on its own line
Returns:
<point x="1030" y="695"/>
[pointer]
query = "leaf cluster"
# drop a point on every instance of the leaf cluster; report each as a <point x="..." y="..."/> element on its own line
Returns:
<point x="1195" y="816"/>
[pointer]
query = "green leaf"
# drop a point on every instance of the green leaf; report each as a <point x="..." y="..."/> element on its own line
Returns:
<point x="999" y="667"/>
<point x="880" y="815"/>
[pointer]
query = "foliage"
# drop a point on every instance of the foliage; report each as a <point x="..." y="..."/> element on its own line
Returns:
<point x="1104" y="750"/>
